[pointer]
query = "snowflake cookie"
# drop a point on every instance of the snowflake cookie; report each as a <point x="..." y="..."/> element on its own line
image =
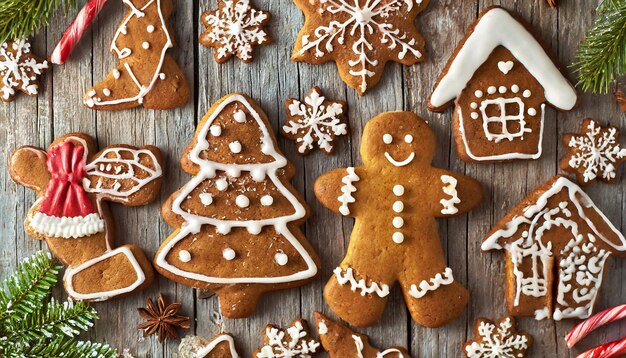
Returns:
<point x="594" y="153"/>
<point x="233" y="29"/>
<point x="361" y="36"/>
<point x="19" y="69"/>
<point x="317" y="120"/>
<point x="499" y="339"/>
<point x="295" y="342"/>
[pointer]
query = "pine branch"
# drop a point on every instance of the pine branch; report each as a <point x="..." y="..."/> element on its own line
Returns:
<point x="65" y="347"/>
<point x="20" y="18"/>
<point x="601" y="57"/>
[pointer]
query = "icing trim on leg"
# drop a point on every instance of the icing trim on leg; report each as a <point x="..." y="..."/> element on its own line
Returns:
<point x="432" y="284"/>
<point x="343" y="277"/>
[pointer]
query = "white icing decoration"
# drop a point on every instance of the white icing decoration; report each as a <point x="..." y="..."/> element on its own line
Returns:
<point x="398" y="190"/>
<point x="207" y="170"/>
<point x="204" y="351"/>
<point x="347" y="189"/>
<point x="398" y="206"/>
<point x="402" y="163"/>
<point x="397" y="237"/>
<point x="478" y="94"/>
<point x="106" y="92"/>
<point x="502" y="89"/>
<point x="229" y="254"/>
<point x="474" y="115"/>
<point x="66" y="227"/>
<point x="408" y="139"/>
<point x="347" y="276"/>
<point x="242" y="201"/>
<point x="473" y="105"/>
<point x="240" y="116"/>
<point x="532" y="112"/>
<point x="235" y="147"/>
<point x="449" y="188"/>
<point x="397" y="222"/>
<point x="150" y="29"/>
<point x="116" y="74"/>
<point x="162" y="76"/>
<point x="498" y="28"/>
<point x="184" y="256"/>
<point x="526" y="93"/>
<point x="491" y="89"/>
<point x="497" y="341"/>
<point x="221" y="184"/>
<point x="281" y="258"/>
<point x="215" y="130"/>
<point x="322" y="328"/>
<point x="432" y="284"/>
<point x="206" y="199"/>
<point x="145" y="45"/>
<point x="358" y="342"/>
<point x="387" y="138"/>
<point x="514" y="88"/>
<point x="505" y="67"/>
<point x="17" y="72"/>
<point x="293" y="344"/>
<point x="267" y="200"/>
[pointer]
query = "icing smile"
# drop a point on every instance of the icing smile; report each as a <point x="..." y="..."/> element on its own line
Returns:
<point x="407" y="161"/>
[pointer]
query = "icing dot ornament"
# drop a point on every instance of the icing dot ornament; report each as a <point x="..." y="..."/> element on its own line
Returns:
<point x="594" y="153"/>
<point x="499" y="339"/>
<point x="233" y="29"/>
<point x="248" y="240"/>
<point x="294" y="341"/>
<point x="395" y="201"/>
<point x="360" y="36"/>
<point x="316" y="121"/>
<point x="19" y="70"/>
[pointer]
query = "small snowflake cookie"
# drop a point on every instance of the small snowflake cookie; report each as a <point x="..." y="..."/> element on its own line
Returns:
<point x="19" y="70"/>
<point x="295" y="342"/>
<point x="497" y="340"/>
<point x="233" y="29"/>
<point x="316" y="121"/>
<point x="361" y="36"/>
<point x="594" y="153"/>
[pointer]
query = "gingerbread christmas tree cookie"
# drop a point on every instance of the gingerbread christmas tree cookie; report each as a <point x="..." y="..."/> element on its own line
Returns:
<point x="360" y="36"/>
<point x="498" y="339"/>
<point x="316" y="121"/>
<point x="234" y="29"/>
<point x="294" y="341"/>
<point x="19" y="70"/>
<point x="74" y="183"/>
<point x="395" y="197"/>
<point x="594" y="153"/>
<point x="238" y="218"/>
<point x="147" y="74"/>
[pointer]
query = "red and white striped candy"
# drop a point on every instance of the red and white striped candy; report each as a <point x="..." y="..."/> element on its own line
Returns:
<point x="608" y="350"/>
<point x="590" y="324"/>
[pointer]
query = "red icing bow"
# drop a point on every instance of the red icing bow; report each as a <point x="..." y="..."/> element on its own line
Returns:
<point x="65" y="195"/>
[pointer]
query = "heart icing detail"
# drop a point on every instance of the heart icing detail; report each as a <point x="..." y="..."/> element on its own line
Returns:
<point x="505" y="67"/>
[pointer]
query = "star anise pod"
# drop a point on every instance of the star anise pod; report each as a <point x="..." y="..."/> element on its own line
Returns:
<point x="162" y="319"/>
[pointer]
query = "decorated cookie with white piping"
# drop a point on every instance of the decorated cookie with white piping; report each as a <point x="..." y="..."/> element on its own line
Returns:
<point x="238" y="219"/>
<point x="220" y="346"/>
<point x="500" y="79"/>
<point x="557" y="243"/>
<point x="360" y="36"/>
<point x="295" y="341"/>
<point x="74" y="182"/>
<point x="499" y="339"/>
<point x="395" y="197"/>
<point x="341" y="342"/>
<point x="20" y="70"/>
<point x="146" y="74"/>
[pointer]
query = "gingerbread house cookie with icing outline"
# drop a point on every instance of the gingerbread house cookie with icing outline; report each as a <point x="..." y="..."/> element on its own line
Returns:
<point x="500" y="79"/>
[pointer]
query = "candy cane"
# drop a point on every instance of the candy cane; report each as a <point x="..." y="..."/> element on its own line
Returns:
<point x="584" y="328"/>
<point x="75" y="31"/>
<point x="608" y="350"/>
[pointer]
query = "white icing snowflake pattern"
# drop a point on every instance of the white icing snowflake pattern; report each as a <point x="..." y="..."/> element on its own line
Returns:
<point x="596" y="153"/>
<point x="19" y="69"/>
<point x="497" y="341"/>
<point x="363" y="21"/>
<point x="233" y="29"/>
<point x="292" y="344"/>
<point x="315" y="121"/>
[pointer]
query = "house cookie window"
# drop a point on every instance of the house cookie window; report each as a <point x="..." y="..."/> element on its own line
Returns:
<point x="503" y="118"/>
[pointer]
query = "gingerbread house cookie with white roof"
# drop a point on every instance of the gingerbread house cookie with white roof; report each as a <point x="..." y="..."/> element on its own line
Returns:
<point x="500" y="79"/>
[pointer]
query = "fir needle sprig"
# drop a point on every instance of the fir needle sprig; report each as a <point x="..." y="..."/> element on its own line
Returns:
<point x="21" y="18"/>
<point x="601" y="57"/>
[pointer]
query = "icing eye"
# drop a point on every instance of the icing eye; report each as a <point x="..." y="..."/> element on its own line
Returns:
<point x="387" y="138"/>
<point x="408" y="138"/>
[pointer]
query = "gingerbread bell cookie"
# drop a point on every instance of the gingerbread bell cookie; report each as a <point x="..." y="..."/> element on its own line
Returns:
<point x="234" y="29"/>
<point x="500" y="79"/>
<point x="341" y="342"/>
<point x="20" y="69"/>
<point x="360" y="36"/>
<point x="294" y="341"/>
<point x="220" y="346"/>
<point x="147" y="74"/>
<point x="238" y="218"/>
<point x="395" y="197"/>
<point x="594" y="153"/>
<point x="74" y="182"/>
<point x="556" y="242"/>
<point x="316" y="121"/>
<point x="499" y="339"/>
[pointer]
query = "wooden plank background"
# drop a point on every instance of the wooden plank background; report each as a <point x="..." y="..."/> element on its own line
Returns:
<point x="271" y="79"/>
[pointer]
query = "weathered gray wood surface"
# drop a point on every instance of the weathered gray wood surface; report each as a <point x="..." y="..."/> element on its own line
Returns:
<point x="270" y="79"/>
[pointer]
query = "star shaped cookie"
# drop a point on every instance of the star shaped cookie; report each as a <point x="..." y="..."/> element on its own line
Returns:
<point x="19" y="70"/>
<point x="361" y="36"/>
<point x="499" y="339"/>
<point x="294" y="341"/>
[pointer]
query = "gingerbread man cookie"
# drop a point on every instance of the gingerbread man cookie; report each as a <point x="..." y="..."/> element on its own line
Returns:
<point x="238" y="218"/>
<point x="19" y="70"/>
<point x="147" y="74"/>
<point x="73" y="184"/>
<point x="395" y="197"/>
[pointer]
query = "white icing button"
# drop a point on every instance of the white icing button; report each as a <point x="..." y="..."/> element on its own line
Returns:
<point x="150" y="29"/>
<point x="215" y="130"/>
<point x="474" y="105"/>
<point x="145" y="45"/>
<point x="387" y="138"/>
<point x="491" y="89"/>
<point x="474" y="115"/>
<point x="398" y="222"/>
<point x="532" y="112"/>
<point x="281" y="258"/>
<point x="221" y="184"/>
<point x="106" y="92"/>
<point x="478" y="94"/>
<point x="162" y="76"/>
<point x="398" y="190"/>
<point x="408" y="138"/>
<point x="267" y="200"/>
<point x="235" y="147"/>
<point x="526" y="93"/>
<point x="206" y="199"/>
<point x="184" y="256"/>
<point x="240" y="116"/>
<point x="397" y="237"/>
<point x="515" y="88"/>
<point x="502" y="89"/>
<point x="242" y="201"/>
<point x="116" y="74"/>
<point x="398" y="206"/>
<point x="228" y="254"/>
